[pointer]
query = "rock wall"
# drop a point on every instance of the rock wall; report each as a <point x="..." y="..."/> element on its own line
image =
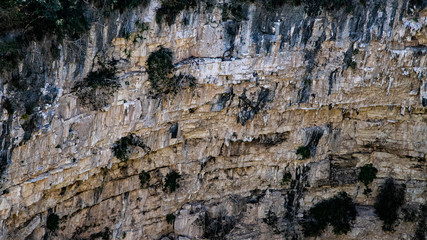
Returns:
<point x="350" y="86"/>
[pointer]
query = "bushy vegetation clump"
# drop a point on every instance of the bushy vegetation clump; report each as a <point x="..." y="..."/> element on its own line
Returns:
<point x="170" y="218"/>
<point x="97" y="89"/>
<point x="171" y="181"/>
<point x="38" y="18"/>
<point x="338" y="211"/>
<point x="367" y="175"/>
<point x="170" y="9"/>
<point x="389" y="200"/>
<point x="144" y="179"/>
<point x="304" y="151"/>
<point x="287" y="177"/>
<point x="33" y="20"/>
<point x="124" y="146"/>
<point x="160" y="73"/>
<point x="52" y="222"/>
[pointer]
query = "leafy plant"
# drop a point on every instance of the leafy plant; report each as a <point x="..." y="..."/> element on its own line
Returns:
<point x="123" y="147"/>
<point x="144" y="178"/>
<point x="160" y="70"/>
<point x="367" y="175"/>
<point x="287" y="176"/>
<point x="171" y="181"/>
<point x="388" y="202"/>
<point x="338" y="211"/>
<point x="121" y="5"/>
<point x="10" y="54"/>
<point x="160" y="67"/>
<point x="52" y="222"/>
<point x="170" y="9"/>
<point x="38" y="18"/>
<point x="97" y="89"/>
<point x="304" y="151"/>
<point x="170" y="218"/>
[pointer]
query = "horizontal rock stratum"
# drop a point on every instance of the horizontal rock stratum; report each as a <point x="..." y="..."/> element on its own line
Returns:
<point x="273" y="108"/>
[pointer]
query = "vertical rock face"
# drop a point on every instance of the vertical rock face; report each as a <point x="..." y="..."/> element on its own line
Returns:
<point x="350" y="86"/>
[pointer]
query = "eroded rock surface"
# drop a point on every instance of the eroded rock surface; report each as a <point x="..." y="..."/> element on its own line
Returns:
<point x="352" y="87"/>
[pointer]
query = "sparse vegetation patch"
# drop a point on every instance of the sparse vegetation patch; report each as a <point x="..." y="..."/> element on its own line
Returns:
<point x="124" y="146"/>
<point x="171" y="181"/>
<point x="97" y="89"/>
<point x="304" y="151"/>
<point x="144" y="178"/>
<point x="52" y="222"/>
<point x="338" y="211"/>
<point x="367" y="175"/>
<point x="160" y="73"/>
<point x="170" y="218"/>
<point x="389" y="200"/>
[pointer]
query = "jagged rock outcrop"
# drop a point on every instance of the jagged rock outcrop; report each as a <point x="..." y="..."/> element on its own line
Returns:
<point x="349" y="86"/>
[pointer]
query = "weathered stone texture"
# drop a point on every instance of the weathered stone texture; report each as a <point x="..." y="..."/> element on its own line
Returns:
<point x="283" y="83"/>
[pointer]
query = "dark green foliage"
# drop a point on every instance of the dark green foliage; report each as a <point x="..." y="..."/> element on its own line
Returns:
<point x="171" y="181"/>
<point x="122" y="5"/>
<point x="304" y="151"/>
<point x="388" y="202"/>
<point x="123" y="147"/>
<point x="367" y="175"/>
<point x="170" y="218"/>
<point x="313" y="7"/>
<point x="171" y="8"/>
<point x="97" y="89"/>
<point x="234" y="10"/>
<point x="38" y="18"/>
<point x="287" y="176"/>
<point x="52" y="222"/>
<point x="160" y="67"/>
<point x="144" y="178"/>
<point x="32" y="20"/>
<point x="8" y="105"/>
<point x="421" y="231"/>
<point x="338" y="211"/>
<point x="105" y="76"/>
<point x="10" y="54"/>
<point x="160" y="70"/>
<point x="142" y="27"/>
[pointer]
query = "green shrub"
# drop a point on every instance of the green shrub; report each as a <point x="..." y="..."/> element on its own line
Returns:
<point x="160" y="67"/>
<point x="10" y="54"/>
<point x="388" y="202"/>
<point x="367" y="175"/>
<point x="52" y="222"/>
<point x="287" y="177"/>
<point x="144" y="178"/>
<point x="123" y="147"/>
<point x="170" y="9"/>
<point x="160" y="70"/>
<point x="338" y="211"/>
<point x="97" y="89"/>
<point x="170" y="218"/>
<point x="421" y="230"/>
<point x="171" y="181"/>
<point x="304" y="151"/>
<point x="59" y="17"/>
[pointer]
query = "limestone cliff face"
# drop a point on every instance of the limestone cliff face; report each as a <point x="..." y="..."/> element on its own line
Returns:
<point x="350" y="86"/>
